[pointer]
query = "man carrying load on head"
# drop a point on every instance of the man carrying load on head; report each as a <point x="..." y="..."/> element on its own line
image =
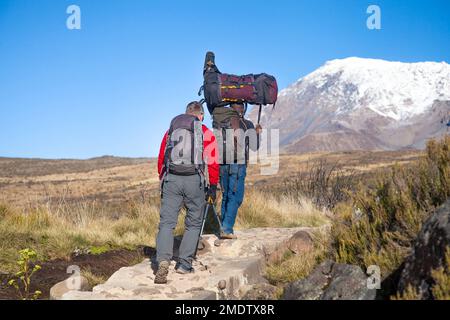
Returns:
<point x="233" y="171"/>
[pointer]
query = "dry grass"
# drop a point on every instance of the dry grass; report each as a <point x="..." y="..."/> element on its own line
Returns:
<point x="25" y="183"/>
<point x="441" y="276"/>
<point x="56" y="230"/>
<point x="93" y="279"/>
<point x="440" y="288"/>
<point x="261" y="209"/>
<point x="409" y="294"/>
<point x="58" y="206"/>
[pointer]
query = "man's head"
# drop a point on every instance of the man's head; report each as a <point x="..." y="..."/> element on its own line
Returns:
<point x="195" y="108"/>
<point x="239" y="108"/>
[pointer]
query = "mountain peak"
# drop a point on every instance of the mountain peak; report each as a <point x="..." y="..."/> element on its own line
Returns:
<point x="372" y="62"/>
<point x="365" y="101"/>
<point x="392" y="89"/>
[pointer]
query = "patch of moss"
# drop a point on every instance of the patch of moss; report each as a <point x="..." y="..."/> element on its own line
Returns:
<point x="99" y="250"/>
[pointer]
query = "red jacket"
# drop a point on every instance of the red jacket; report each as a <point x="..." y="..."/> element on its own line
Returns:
<point x="210" y="152"/>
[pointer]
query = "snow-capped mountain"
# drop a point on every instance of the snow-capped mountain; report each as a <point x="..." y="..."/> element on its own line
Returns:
<point x="357" y="103"/>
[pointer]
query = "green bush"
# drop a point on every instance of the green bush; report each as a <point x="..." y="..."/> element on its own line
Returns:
<point x="380" y="221"/>
<point x="22" y="278"/>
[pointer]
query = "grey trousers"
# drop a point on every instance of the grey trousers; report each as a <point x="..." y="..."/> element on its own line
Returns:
<point x="179" y="190"/>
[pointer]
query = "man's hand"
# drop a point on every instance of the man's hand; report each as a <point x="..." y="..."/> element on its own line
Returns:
<point x="258" y="129"/>
<point x="211" y="193"/>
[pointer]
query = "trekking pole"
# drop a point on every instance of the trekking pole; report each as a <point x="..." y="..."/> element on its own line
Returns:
<point x="218" y="220"/>
<point x="259" y="113"/>
<point x="205" y="214"/>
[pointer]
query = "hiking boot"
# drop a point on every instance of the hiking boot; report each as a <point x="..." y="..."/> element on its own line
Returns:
<point x="163" y="271"/>
<point x="228" y="236"/>
<point x="183" y="270"/>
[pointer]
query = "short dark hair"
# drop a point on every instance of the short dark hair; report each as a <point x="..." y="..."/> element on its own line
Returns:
<point x="194" y="108"/>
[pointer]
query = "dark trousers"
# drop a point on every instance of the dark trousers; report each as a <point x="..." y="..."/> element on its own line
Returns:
<point x="179" y="190"/>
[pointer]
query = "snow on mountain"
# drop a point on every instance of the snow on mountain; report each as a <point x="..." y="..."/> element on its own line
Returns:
<point x="391" y="89"/>
<point x="358" y="103"/>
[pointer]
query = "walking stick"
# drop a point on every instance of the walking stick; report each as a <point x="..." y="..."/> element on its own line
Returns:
<point x="259" y="113"/>
<point x="209" y="204"/>
<point x="205" y="214"/>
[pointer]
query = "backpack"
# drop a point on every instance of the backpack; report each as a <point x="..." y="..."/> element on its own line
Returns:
<point x="222" y="117"/>
<point x="221" y="89"/>
<point x="184" y="147"/>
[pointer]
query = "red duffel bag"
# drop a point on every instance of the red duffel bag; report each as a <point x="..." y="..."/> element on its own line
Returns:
<point x="221" y="89"/>
<point x="237" y="88"/>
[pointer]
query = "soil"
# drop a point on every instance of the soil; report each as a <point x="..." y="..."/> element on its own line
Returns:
<point x="55" y="271"/>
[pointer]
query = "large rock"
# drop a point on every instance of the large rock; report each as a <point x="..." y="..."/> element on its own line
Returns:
<point x="428" y="253"/>
<point x="301" y="241"/>
<point x="262" y="291"/>
<point x="331" y="281"/>
<point x="73" y="283"/>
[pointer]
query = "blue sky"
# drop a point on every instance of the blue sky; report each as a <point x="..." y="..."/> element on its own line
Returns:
<point x="112" y="87"/>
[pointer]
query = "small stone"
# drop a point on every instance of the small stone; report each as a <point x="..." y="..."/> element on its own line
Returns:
<point x="222" y="285"/>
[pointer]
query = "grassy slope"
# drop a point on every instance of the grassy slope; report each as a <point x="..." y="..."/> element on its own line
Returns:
<point x="55" y="228"/>
<point x="57" y="232"/>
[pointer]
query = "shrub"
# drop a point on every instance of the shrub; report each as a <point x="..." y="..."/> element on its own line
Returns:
<point x="378" y="223"/>
<point x="440" y="288"/>
<point x="22" y="280"/>
<point x="325" y="183"/>
<point x="441" y="276"/>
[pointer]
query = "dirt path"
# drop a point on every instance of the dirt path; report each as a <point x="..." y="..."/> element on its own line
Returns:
<point x="224" y="272"/>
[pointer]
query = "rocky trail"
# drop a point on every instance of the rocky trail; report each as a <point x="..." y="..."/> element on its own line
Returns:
<point x="227" y="271"/>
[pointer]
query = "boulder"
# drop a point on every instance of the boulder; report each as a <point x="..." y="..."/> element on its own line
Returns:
<point x="75" y="283"/>
<point x="428" y="253"/>
<point x="331" y="281"/>
<point x="301" y="241"/>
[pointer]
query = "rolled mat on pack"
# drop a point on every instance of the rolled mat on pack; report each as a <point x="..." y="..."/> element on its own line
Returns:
<point x="221" y="89"/>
